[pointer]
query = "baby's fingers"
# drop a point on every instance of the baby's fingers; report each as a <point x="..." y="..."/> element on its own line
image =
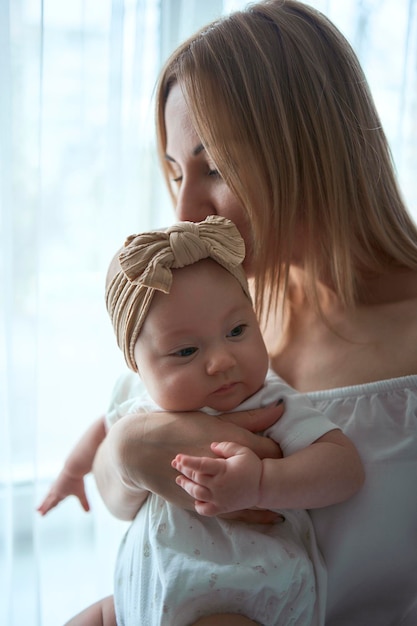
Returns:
<point x="209" y="509"/>
<point x="196" y="467"/>
<point x="83" y="501"/>
<point x="49" y="503"/>
<point x="196" y="491"/>
<point x="227" y="449"/>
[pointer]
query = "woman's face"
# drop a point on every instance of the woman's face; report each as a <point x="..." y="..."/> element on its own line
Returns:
<point x="199" y="189"/>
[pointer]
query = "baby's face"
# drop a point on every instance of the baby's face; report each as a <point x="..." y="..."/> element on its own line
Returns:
<point x="200" y="344"/>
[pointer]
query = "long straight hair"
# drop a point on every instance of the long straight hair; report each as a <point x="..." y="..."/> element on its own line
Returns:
<point x="282" y="106"/>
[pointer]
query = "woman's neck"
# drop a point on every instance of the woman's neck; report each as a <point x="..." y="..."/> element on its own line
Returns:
<point x="342" y="347"/>
<point x="392" y="286"/>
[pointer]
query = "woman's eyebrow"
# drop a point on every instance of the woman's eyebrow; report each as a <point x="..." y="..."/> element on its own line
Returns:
<point x="195" y="152"/>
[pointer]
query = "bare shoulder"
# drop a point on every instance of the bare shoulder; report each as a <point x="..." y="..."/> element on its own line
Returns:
<point x="395" y="329"/>
<point x="373" y="342"/>
<point x="391" y="310"/>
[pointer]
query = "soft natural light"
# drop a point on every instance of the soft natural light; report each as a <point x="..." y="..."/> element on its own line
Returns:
<point x="78" y="173"/>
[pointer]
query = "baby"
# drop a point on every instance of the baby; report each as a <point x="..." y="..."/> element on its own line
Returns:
<point x="181" y="309"/>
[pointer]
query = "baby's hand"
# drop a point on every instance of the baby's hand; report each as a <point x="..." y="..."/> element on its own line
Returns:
<point x="221" y="485"/>
<point x="64" y="486"/>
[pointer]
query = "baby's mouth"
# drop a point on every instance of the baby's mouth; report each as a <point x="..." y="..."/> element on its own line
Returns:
<point x="225" y="388"/>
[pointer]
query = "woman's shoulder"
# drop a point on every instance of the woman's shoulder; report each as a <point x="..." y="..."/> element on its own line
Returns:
<point x="372" y="342"/>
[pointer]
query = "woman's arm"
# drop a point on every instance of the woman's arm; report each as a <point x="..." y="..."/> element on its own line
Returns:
<point x="136" y="455"/>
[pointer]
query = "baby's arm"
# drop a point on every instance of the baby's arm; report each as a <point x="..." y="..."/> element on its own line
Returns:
<point x="325" y="472"/>
<point x="70" y="480"/>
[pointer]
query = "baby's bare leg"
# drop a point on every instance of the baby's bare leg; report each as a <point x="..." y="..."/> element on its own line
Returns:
<point x="225" y="619"/>
<point x="99" y="614"/>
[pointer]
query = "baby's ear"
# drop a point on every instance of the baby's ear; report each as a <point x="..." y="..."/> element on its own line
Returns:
<point x="114" y="268"/>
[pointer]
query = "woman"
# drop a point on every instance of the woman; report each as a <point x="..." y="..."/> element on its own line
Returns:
<point x="265" y="117"/>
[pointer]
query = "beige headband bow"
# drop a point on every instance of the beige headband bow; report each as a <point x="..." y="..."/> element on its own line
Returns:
<point x="147" y="260"/>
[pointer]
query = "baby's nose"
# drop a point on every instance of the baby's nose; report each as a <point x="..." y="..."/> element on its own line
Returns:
<point x="220" y="360"/>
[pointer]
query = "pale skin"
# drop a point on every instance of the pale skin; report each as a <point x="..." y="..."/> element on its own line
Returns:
<point x="99" y="614"/>
<point x="381" y="331"/>
<point x="305" y="351"/>
<point x="203" y="341"/>
<point x="239" y="479"/>
<point x="70" y="481"/>
<point x="221" y="373"/>
<point x="212" y="375"/>
<point x="184" y="342"/>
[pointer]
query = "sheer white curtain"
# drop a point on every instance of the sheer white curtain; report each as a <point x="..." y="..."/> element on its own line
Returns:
<point x="78" y="173"/>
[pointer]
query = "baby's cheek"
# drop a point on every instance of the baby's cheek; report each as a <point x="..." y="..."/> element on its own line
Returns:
<point x="175" y="393"/>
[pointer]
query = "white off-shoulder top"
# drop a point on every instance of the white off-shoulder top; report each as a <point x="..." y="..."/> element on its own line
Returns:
<point x="369" y="543"/>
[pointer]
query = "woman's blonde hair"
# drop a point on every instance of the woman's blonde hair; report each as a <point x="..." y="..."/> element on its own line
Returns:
<point x="282" y="106"/>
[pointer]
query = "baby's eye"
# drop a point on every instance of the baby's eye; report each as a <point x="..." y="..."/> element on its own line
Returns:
<point x="214" y="172"/>
<point x="237" y="331"/>
<point x="184" y="352"/>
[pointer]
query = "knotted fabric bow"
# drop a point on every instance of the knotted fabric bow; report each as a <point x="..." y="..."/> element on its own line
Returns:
<point x="146" y="264"/>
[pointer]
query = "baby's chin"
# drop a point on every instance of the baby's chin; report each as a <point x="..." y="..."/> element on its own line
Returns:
<point x="225" y="405"/>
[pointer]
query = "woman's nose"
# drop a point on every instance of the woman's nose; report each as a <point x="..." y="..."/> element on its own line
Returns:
<point x="193" y="205"/>
<point x="220" y="360"/>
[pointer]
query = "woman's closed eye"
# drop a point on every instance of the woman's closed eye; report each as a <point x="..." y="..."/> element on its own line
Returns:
<point x="213" y="173"/>
<point x="175" y="174"/>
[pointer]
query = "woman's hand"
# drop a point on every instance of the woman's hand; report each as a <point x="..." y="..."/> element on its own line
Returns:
<point x="136" y="455"/>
